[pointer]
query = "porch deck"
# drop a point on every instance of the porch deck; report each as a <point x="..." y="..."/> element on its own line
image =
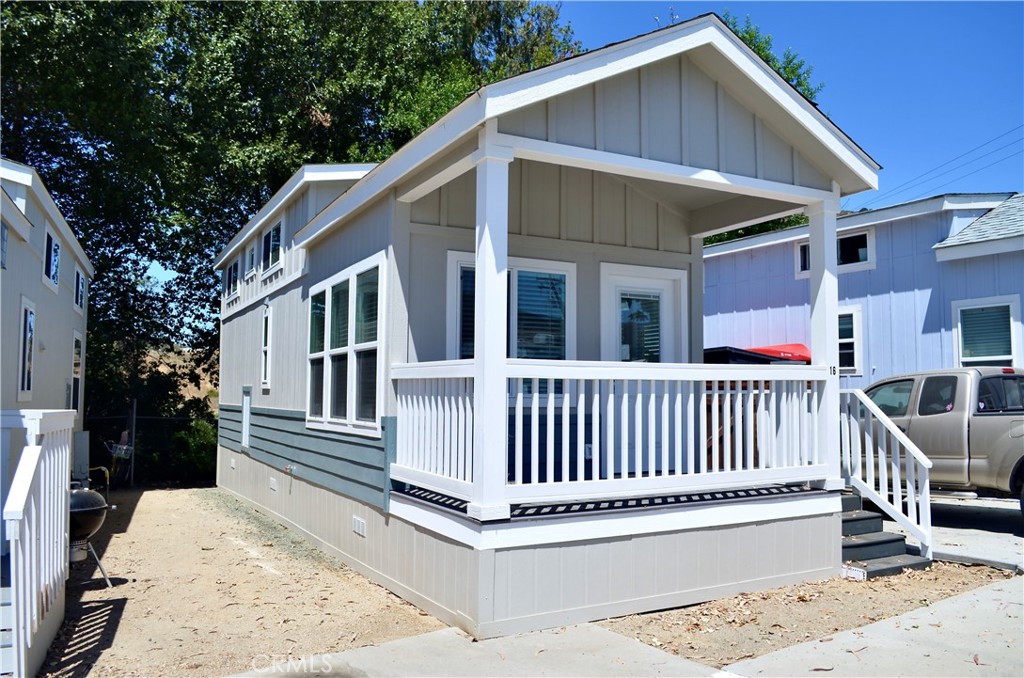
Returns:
<point x="579" y="431"/>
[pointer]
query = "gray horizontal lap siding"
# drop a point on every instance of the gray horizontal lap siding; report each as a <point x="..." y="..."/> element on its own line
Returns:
<point x="354" y="466"/>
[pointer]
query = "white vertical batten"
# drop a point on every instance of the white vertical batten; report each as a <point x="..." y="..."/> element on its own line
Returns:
<point x="825" y="327"/>
<point x="490" y="326"/>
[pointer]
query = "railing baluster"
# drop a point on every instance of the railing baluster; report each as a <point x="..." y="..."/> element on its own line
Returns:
<point x="534" y="431"/>
<point x="702" y="428"/>
<point x="715" y="427"/>
<point x="519" y="431"/>
<point x="549" y="416"/>
<point x="638" y="429"/>
<point x="610" y="441"/>
<point x="677" y="426"/>
<point x="595" y="431"/>
<point x="748" y="425"/>
<point x="567" y="452"/>
<point x="665" y="443"/>
<point x="652" y="428"/>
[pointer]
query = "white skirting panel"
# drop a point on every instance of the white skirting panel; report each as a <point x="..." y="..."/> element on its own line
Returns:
<point x="497" y="591"/>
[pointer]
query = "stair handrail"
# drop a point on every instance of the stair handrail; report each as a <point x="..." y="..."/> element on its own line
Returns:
<point x="888" y="496"/>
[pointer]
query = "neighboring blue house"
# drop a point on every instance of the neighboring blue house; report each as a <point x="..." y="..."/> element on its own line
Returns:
<point x="923" y="285"/>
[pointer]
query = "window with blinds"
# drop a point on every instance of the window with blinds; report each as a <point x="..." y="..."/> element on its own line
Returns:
<point x="985" y="337"/>
<point x="537" y="319"/>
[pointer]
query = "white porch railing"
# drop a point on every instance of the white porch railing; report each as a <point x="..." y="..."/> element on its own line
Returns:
<point x="36" y="515"/>
<point x="882" y="464"/>
<point x="580" y="430"/>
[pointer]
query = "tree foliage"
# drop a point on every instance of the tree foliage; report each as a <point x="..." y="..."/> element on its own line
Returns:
<point x="161" y="127"/>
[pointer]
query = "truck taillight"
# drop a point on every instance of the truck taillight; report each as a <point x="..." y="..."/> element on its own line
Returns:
<point x="1008" y="370"/>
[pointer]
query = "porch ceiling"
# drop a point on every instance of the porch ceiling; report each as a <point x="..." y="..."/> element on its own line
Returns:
<point x="711" y="211"/>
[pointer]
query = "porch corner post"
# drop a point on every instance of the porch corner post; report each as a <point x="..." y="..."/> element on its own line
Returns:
<point x="490" y="400"/>
<point x="825" y="330"/>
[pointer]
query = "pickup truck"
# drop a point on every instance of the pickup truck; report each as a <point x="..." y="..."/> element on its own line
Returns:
<point x="968" y="421"/>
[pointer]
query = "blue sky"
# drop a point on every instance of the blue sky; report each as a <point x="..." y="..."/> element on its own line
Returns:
<point x="916" y="84"/>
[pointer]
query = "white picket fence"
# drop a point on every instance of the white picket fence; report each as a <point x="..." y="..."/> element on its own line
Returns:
<point x="36" y="515"/>
<point x="882" y="464"/>
<point x="594" y="430"/>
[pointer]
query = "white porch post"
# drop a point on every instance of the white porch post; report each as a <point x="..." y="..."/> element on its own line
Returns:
<point x="825" y="329"/>
<point x="490" y="400"/>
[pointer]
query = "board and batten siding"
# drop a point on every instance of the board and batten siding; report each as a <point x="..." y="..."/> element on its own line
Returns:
<point x="671" y="111"/>
<point x="753" y="298"/>
<point x="555" y="213"/>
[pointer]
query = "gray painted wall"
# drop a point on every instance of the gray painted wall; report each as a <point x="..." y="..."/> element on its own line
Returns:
<point x="559" y="214"/>
<point x="491" y="592"/>
<point x="671" y="111"/>
<point x="753" y="297"/>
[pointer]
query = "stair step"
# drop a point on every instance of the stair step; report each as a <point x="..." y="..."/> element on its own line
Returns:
<point x="6" y="617"/>
<point x="861" y="522"/>
<point x="851" y="502"/>
<point x="7" y="661"/>
<point x="883" y="567"/>
<point x="6" y="639"/>
<point x="873" y="545"/>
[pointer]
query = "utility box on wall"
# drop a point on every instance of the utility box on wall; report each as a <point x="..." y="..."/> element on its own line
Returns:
<point x="80" y="459"/>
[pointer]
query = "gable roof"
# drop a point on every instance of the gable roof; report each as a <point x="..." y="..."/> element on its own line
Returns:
<point x="723" y="50"/>
<point x="998" y="230"/>
<point x="17" y="173"/>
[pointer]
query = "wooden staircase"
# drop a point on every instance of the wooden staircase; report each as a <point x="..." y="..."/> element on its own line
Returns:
<point x="869" y="551"/>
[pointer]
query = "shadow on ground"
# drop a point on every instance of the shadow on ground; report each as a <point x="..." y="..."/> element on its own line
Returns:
<point x="967" y="516"/>
<point x="90" y="626"/>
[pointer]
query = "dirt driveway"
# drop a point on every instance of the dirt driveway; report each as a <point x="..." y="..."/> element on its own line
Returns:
<point x="205" y="586"/>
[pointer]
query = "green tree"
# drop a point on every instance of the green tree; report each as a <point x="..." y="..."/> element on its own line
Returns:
<point x="161" y="127"/>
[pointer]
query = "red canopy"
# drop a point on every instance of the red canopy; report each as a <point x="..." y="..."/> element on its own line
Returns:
<point x="785" y="351"/>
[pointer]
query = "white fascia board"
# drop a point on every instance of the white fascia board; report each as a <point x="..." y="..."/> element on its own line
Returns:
<point x="656" y="170"/>
<point x="27" y="176"/>
<point x="428" y="144"/>
<point x="979" y="249"/>
<point x="529" y="88"/>
<point x="813" y="120"/>
<point x="306" y="174"/>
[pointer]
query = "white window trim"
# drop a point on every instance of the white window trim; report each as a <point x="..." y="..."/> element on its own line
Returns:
<point x="55" y="239"/>
<point x="611" y="274"/>
<point x="868" y="265"/>
<point x="350" y="424"/>
<point x="858" y="341"/>
<point x="230" y="294"/>
<point x="77" y="336"/>
<point x="266" y="351"/>
<point x="80" y="279"/>
<point x="274" y="267"/>
<point x="1016" y="333"/>
<point x="458" y="260"/>
<point x="250" y="261"/>
<point x="26" y="304"/>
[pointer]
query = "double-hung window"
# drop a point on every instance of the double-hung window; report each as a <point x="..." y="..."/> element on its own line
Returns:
<point x="541" y="308"/>
<point x="988" y="331"/>
<point x="79" y="289"/>
<point x="854" y="252"/>
<point x="265" y="351"/>
<point x="231" y="279"/>
<point x="51" y="260"/>
<point x="850" y="341"/>
<point x="344" y="343"/>
<point x="76" y="371"/>
<point x="272" y="246"/>
<point x="250" y="261"/>
<point x="26" y="349"/>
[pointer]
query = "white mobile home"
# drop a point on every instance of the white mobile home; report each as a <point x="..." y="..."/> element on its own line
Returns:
<point x="929" y="284"/>
<point x="473" y="371"/>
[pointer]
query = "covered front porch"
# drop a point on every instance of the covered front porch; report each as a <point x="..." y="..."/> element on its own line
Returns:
<point x="639" y="415"/>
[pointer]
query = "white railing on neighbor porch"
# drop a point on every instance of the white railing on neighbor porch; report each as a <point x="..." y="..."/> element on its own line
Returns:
<point x="883" y="465"/>
<point x="36" y="515"/>
<point x="596" y="430"/>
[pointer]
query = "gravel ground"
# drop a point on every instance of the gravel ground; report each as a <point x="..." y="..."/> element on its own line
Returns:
<point x="723" y="632"/>
<point x="206" y="586"/>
